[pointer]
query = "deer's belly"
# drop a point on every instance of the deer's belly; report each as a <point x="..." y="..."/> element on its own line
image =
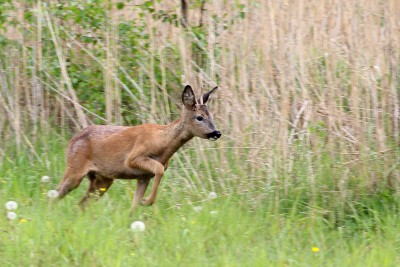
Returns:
<point x="123" y="173"/>
<point x="132" y="174"/>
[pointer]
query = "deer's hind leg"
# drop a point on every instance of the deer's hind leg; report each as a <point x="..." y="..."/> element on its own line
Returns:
<point x="141" y="187"/>
<point x="77" y="165"/>
<point x="99" y="184"/>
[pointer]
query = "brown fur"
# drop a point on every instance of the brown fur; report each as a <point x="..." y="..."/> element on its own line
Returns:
<point x="105" y="153"/>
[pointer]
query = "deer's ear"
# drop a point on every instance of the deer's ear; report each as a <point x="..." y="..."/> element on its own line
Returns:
<point x="207" y="95"/>
<point x="188" y="98"/>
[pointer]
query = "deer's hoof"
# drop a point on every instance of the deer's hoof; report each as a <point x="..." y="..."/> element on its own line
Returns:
<point x="147" y="202"/>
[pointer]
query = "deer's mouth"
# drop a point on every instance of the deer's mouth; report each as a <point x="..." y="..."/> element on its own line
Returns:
<point x="214" y="135"/>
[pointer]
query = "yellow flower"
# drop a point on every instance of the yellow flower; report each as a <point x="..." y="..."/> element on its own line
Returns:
<point x="315" y="249"/>
<point x="102" y="189"/>
<point x="22" y="220"/>
<point x="193" y="222"/>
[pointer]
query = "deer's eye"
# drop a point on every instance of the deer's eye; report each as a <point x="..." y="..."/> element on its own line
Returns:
<point x="199" y="118"/>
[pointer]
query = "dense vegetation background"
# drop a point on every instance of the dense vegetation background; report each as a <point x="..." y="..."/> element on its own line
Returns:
<point x="308" y="108"/>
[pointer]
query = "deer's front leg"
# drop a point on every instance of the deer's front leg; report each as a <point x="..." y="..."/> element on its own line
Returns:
<point x="150" y="199"/>
<point x="147" y="164"/>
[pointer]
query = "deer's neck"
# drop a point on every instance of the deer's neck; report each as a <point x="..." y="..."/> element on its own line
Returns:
<point x="176" y="136"/>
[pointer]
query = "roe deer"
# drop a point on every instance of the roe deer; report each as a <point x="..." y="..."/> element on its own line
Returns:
<point x="105" y="153"/>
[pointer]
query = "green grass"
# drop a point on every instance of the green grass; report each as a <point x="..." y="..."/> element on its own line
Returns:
<point x="270" y="232"/>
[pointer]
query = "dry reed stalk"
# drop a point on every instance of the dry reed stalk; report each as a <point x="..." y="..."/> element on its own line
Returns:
<point x="21" y="8"/>
<point x="339" y="57"/>
<point x="35" y="55"/>
<point x="19" y="72"/>
<point x="81" y="116"/>
<point x="39" y="60"/>
<point x="107" y="74"/>
<point x="8" y="102"/>
<point x="17" y="108"/>
<point x="153" y="86"/>
<point x="393" y="39"/>
<point x="112" y="91"/>
<point x="164" y="84"/>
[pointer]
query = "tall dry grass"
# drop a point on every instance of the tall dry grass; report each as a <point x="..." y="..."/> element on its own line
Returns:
<point x="300" y="81"/>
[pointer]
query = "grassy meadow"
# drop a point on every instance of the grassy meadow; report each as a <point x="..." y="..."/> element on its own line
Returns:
<point x="306" y="172"/>
<point x="233" y="229"/>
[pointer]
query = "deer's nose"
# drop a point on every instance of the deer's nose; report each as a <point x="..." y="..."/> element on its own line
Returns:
<point x="214" y="135"/>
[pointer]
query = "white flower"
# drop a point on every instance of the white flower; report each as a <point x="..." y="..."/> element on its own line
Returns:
<point x="197" y="208"/>
<point x="45" y="179"/>
<point x="138" y="226"/>
<point x="213" y="213"/>
<point x="185" y="231"/>
<point x="52" y="193"/>
<point x="212" y="195"/>
<point x="11" y="205"/>
<point x="11" y="215"/>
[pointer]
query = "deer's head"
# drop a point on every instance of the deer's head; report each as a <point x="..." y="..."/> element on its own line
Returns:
<point x="198" y="121"/>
